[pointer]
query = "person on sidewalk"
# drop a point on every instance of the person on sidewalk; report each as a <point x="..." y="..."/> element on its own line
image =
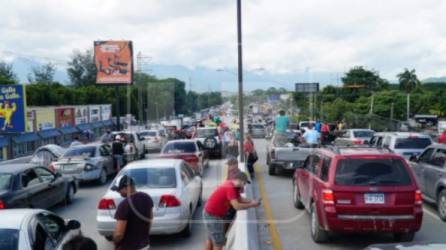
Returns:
<point x="217" y="206"/>
<point x="250" y="154"/>
<point x="133" y="217"/>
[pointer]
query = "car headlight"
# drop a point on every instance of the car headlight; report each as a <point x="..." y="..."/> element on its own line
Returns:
<point x="88" y="167"/>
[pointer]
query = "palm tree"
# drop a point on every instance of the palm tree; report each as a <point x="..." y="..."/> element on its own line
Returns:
<point x="408" y="80"/>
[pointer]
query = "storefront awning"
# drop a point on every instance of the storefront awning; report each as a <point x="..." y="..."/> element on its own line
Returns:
<point x="108" y="123"/>
<point x="27" y="137"/>
<point x="97" y="125"/>
<point x="49" y="133"/>
<point x="68" y="130"/>
<point x="84" y="127"/>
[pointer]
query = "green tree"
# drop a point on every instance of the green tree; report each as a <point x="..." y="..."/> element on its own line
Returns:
<point x="7" y="75"/>
<point x="43" y="74"/>
<point x="364" y="79"/>
<point x="81" y="69"/>
<point x="408" y="80"/>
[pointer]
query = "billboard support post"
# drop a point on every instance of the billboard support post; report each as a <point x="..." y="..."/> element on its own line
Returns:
<point x="118" y="108"/>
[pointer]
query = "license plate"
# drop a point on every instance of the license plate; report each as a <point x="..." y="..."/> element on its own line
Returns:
<point x="374" y="199"/>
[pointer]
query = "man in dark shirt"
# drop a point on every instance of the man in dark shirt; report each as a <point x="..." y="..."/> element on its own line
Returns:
<point x="133" y="217"/>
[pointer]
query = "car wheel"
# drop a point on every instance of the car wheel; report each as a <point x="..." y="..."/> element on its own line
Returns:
<point x="271" y="170"/>
<point x="441" y="204"/>
<point x="69" y="195"/>
<point x="404" y="237"/>
<point x="296" y="197"/>
<point x="102" y="177"/>
<point x="188" y="229"/>
<point x="318" y="235"/>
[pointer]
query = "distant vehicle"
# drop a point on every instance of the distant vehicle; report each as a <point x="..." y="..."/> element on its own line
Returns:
<point x="175" y="190"/>
<point x="29" y="185"/>
<point x="152" y="140"/>
<point x="133" y="136"/>
<point x="190" y="151"/>
<point x="44" y="155"/>
<point x="356" y="190"/>
<point x="285" y="154"/>
<point x="426" y="120"/>
<point x="208" y="137"/>
<point x="89" y="162"/>
<point x="430" y="171"/>
<point x="31" y="229"/>
<point x="406" y="144"/>
<point x="258" y="130"/>
<point x="354" y="137"/>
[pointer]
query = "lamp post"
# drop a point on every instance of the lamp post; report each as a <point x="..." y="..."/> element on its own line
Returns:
<point x="240" y="78"/>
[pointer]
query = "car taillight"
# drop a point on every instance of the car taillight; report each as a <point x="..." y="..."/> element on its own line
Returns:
<point x="2" y="205"/>
<point x="106" y="204"/>
<point x="327" y="196"/>
<point x="168" y="200"/>
<point x="418" y="198"/>
<point x="191" y="158"/>
<point x="357" y="142"/>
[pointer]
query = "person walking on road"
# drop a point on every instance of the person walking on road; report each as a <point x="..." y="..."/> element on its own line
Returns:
<point x="133" y="217"/>
<point x="217" y="206"/>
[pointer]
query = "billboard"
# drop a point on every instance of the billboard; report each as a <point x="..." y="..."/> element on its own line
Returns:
<point x="81" y="115"/>
<point x="114" y="62"/>
<point x="13" y="108"/>
<point x="94" y="113"/>
<point x="64" y="117"/>
<point x="106" y="112"/>
<point x="307" y="88"/>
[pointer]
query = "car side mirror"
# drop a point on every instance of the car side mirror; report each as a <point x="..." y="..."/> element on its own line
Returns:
<point x="73" y="225"/>
<point x="413" y="158"/>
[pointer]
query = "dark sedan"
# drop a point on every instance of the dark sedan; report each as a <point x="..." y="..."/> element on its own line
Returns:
<point x="29" y="185"/>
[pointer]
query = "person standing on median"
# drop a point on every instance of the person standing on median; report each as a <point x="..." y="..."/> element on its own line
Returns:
<point x="133" y="216"/>
<point x="218" y="205"/>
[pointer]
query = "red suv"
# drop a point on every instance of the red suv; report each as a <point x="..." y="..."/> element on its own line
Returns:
<point x="358" y="190"/>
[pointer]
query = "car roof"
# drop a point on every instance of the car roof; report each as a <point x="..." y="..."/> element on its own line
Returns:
<point x="361" y="129"/>
<point x="356" y="151"/>
<point x="94" y="144"/>
<point x="16" y="167"/>
<point x="15" y="218"/>
<point x="437" y="145"/>
<point x="182" y="141"/>
<point x="153" y="163"/>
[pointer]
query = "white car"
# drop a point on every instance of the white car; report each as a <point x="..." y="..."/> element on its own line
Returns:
<point x="27" y="229"/>
<point x="175" y="191"/>
<point x="153" y="139"/>
<point x="137" y="140"/>
<point x="406" y="144"/>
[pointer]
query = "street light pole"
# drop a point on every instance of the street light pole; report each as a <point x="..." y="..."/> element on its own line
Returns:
<point x="240" y="78"/>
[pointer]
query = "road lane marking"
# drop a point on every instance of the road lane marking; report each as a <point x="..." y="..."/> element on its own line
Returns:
<point x="432" y="214"/>
<point x="275" y="240"/>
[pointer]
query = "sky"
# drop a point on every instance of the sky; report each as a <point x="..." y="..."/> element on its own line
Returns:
<point x="281" y="36"/>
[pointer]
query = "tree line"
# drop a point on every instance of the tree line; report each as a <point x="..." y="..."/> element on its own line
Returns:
<point x="148" y="98"/>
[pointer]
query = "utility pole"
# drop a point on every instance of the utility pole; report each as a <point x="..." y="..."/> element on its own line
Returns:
<point x="408" y="107"/>
<point x="372" y="103"/>
<point x="240" y="78"/>
<point x="391" y="110"/>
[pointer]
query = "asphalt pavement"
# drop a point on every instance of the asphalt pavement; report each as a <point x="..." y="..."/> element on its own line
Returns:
<point x="85" y="203"/>
<point x="293" y="226"/>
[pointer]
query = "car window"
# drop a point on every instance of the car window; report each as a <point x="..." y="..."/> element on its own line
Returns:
<point x="258" y="126"/>
<point x="54" y="226"/>
<point x="207" y="132"/>
<point x="312" y="162"/>
<point x="412" y="143"/>
<point x="426" y="155"/>
<point x="363" y="134"/>
<point x="81" y="152"/>
<point x="325" y="169"/>
<point x="104" y="150"/>
<point x="373" y="141"/>
<point x="5" y="182"/>
<point x="379" y="141"/>
<point x="366" y="172"/>
<point x="439" y="158"/>
<point x="386" y="142"/>
<point x="30" y="178"/>
<point x="162" y="177"/>
<point x="9" y="239"/>
<point x="46" y="175"/>
<point x="180" y="147"/>
<point x="185" y="177"/>
<point x="43" y="157"/>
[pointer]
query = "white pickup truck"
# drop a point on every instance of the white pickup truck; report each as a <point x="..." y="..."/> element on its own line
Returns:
<point x="285" y="152"/>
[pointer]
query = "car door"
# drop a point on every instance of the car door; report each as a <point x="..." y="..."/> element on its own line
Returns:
<point x="420" y="167"/>
<point x="195" y="184"/>
<point x="186" y="192"/>
<point x="106" y="158"/>
<point x="35" y="189"/>
<point x="49" y="231"/>
<point x="55" y="186"/>
<point x="434" y="172"/>
<point x="303" y="180"/>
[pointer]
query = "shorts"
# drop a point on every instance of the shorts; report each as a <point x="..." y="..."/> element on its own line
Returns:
<point x="215" y="227"/>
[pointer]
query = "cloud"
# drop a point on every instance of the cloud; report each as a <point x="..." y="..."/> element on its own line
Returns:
<point x="283" y="36"/>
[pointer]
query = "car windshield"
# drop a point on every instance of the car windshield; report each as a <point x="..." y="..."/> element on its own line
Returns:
<point x="148" y="134"/>
<point x="207" y="132"/>
<point x="161" y="177"/>
<point x="179" y="147"/>
<point x="9" y="239"/>
<point x="258" y="126"/>
<point x="371" y="172"/>
<point x="5" y="182"/>
<point x="412" y="143"/>
<point x="81" y="152"/>
<point x="363" y="134"/>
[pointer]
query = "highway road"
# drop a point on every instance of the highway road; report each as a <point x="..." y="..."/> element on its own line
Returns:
<point x="84" y="209"/>
<point x="293" y="228"/>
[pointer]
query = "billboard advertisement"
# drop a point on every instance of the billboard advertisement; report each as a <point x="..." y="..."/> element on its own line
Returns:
<point x="81" y="115"/>
<point x="106" y="112"/>
<point x="307" y="88"/>
<point x="13" y="108"/>
<point x="94" y="113"/>
<point x="114" y="62"/>
<point x="64" y="117"/>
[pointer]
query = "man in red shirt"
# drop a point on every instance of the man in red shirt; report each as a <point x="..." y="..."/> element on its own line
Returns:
<point x="442" y="138"/>
<point x="219" y="203"/>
